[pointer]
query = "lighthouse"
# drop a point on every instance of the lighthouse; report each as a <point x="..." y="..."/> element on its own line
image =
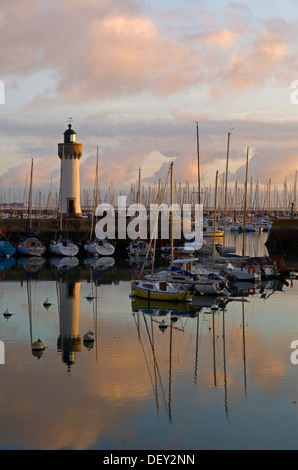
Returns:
<point x="70" y="153"/>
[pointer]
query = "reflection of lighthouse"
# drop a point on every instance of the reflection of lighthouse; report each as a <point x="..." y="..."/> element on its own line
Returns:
<point x="70" y="153"/>
<point x="69" y="341"/>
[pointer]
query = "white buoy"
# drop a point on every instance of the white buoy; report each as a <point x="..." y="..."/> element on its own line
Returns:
<point x="163" y="326"/>
<point x="47" y="303"/>
<point x="214" y="307"/>
<point x="89" y="336"/>
<point x="7" y="313"/>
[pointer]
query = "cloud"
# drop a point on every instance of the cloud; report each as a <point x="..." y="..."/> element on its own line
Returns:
<point x="221" y="38"/>
<point x="92" y="51"/>
<point x="18" y="176"/>
<point x="136" y="81"/>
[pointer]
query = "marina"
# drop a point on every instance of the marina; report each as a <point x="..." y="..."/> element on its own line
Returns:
<point x="148" y="228"/>
<point x="136" y="338"/>
<point x="88" y="366"/>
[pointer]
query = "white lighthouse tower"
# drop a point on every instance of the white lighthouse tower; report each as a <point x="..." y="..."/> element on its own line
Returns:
<point x="70" y="153"/>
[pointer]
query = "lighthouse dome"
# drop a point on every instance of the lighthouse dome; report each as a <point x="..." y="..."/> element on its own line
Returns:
<point x="70" y="135"/>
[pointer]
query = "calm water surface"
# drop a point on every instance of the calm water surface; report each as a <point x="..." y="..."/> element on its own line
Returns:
<point x="220" y="380"/>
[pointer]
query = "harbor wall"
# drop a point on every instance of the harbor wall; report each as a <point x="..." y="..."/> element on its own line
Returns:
<point x="78" y="229"/>
<point x="283" y="235"/>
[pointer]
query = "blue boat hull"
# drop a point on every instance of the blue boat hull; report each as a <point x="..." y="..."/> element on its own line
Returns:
<point x="6" y="248"/>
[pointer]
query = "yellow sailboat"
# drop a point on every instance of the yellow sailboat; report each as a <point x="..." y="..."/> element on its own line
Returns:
<point x="160" y="291"/>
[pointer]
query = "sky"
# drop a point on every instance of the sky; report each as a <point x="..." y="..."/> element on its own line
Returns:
<point x="135" y="76"/>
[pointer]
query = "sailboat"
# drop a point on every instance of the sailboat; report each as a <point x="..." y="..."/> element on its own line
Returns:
<point x="181" y="275"/>
<point x="139" y="246"/>
<point x="162" y="290"/>
<point x="6" y="248"/>
<point x="264" y="269"/>
<point x="31" y="246"/>
<point x="63" y="246"/>
<point x="223" y="269"/>
<point x="101" y="247"/>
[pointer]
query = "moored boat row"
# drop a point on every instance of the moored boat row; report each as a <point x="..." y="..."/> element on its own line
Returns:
<point x="33" y="246"/>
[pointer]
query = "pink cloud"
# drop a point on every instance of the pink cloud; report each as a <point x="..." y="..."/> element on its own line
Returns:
<point x="96" y="50"/>
<point x="43" y="171"/>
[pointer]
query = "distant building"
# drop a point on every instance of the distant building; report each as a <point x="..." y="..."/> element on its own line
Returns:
<point x="70" y="153"/>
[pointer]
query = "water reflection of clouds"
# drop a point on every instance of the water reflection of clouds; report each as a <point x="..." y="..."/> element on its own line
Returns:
<point x="215" y="362"/>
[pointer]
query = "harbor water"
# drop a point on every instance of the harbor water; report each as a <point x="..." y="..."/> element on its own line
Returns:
<point x="213" y="379"/>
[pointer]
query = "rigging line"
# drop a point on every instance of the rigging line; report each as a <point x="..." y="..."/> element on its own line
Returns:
<point x="148" y="369"/>
<point x="152" y="347"/>
<point x="154" y="357"/>
<point x="182" y="340"/>
<point x="29" y="307"/>
<point x="196" y="351"/>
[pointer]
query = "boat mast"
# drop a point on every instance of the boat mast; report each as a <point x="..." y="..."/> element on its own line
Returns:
<point x="139" y="189"/>
<point x="245" y="202"/>
<point x="226" y="188"/>
<point x="172" y="218"/>
<point x="198" y="156"/>
<point x="215" y="205"/>
<point x="61" y="188"/>
<point x="95" y="196"/>
<point x="30" y="196"/>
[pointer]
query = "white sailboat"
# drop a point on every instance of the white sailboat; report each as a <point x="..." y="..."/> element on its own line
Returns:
<point x="98" y="247"/>
<point x="31" y="246"/>
<point x="181" y="275"/>
<point x="63" y="246"/>
<point x="162" y="289"/>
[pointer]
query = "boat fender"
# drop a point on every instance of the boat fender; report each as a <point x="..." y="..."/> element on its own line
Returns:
<point x="251" y="269"/>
